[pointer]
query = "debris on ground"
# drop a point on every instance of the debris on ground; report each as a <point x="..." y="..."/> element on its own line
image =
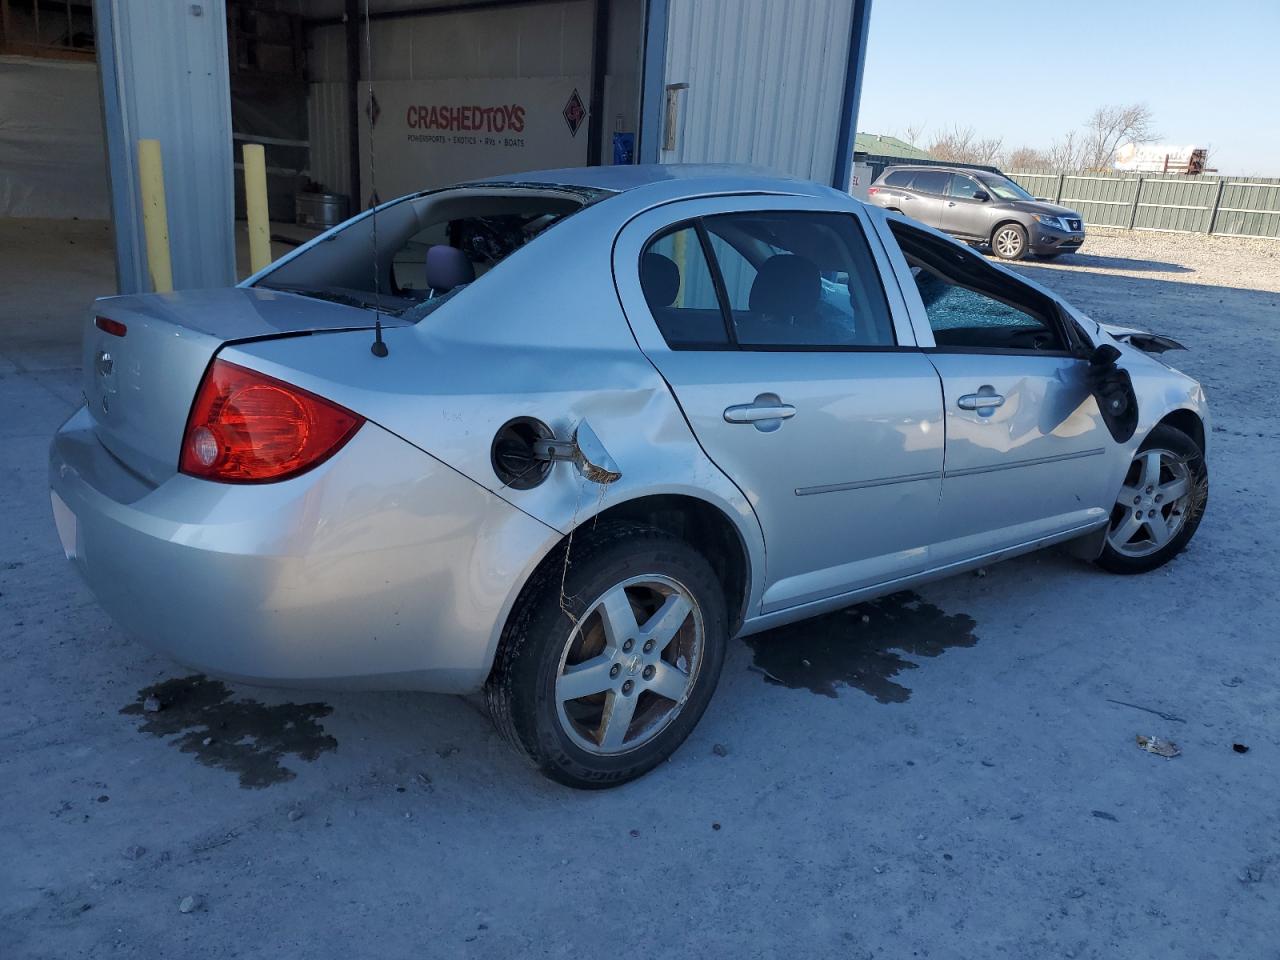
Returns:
<point x="1159" y="746"/>
<point x="1103" y="815"/>
<point x="720" y="750"/>
<point x="1253" y="872"/>
<point x="1158" y="713"/>
<point x="134" y="852"/>
<point x="980" y="572"/>
<point x="1240" y="748"/>
<point x="187" y="904"/>
<point x="295" y="814"/>
<point x="1233" y="681"/>
<point x="1075" y="893"/>
<point x="152" y="705"/>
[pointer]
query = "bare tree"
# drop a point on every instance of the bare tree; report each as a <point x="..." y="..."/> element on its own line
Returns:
<point x="1109" y="127"/>
<point x="913" y="133"/>
<point x="962" y="145"/>
<point x="1027" y="159"/>
<point x="1064" y="154"/>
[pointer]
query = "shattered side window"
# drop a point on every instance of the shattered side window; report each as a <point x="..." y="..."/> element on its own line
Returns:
<point x="970" y="304"/>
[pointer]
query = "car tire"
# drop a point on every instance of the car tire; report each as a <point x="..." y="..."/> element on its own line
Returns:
<point x="570" y="632"/>
<point x="1009" y="241"/>
<point x="1148" y="527"/>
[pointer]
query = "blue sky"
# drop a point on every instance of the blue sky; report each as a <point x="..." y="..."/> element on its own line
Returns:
<point x="1030" y="71"/>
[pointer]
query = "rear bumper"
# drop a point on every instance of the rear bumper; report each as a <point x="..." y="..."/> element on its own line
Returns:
<point x="382" y="568"/>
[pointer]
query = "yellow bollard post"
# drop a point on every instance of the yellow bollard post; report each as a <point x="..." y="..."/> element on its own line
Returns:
<point x="155" y="216"/>
<point x="255" y="204"/>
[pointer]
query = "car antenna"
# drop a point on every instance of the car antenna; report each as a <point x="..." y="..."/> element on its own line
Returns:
<point x="379" y="346"/>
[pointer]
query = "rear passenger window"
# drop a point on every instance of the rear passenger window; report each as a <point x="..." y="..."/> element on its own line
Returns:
<point x="931" y="181"/>
<point x="899" y="178"/>
<point x="680" y="291"/>
<point x="776" y="280"/>
<point x="796" y="279"/>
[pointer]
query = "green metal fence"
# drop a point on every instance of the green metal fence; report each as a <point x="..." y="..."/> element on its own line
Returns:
<point x="1231" y="206"/>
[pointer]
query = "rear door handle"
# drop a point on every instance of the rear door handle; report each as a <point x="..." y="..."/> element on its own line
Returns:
<point x="984" y="401"/>
<point x="767" y="412"/>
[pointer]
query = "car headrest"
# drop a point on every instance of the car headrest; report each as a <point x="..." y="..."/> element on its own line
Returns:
<point x="660" y="279"/>
<point x="786" y="285"/>
<point x="448" y="267"/>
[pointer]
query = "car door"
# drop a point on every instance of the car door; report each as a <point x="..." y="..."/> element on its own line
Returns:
<point x="797" y="371"/>
<point x="1028" y="455"/>
<point x="963" y="213"/>
<point x="928" y="189"/>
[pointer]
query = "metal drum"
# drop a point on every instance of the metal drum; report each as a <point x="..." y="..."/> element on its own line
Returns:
<point x="322" y="210"/>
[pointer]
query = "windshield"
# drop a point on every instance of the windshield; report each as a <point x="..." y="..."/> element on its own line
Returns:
<point x="1004" y="188"/>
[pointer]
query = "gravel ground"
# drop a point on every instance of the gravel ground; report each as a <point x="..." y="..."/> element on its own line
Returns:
<point x="955" y="777"/>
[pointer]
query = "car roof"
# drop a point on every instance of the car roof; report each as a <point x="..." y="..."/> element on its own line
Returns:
<point x="940" y="167"/>
<point x="671" y="180"/>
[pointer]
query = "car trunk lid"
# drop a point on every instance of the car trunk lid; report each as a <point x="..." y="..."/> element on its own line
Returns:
<point x="139" y="386"/>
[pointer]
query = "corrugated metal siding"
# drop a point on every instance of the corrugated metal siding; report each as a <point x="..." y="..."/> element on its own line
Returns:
<point x="1232" y="206"/>
<point x="165" y="77"/>
<point x="766" y="82"/>
<point x="330" y="163"/>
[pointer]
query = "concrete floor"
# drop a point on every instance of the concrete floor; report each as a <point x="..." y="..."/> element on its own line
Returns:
<point x="956" y="777"/>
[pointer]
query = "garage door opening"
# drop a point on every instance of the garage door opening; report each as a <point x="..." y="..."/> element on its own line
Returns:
<point x="407" y="95"/>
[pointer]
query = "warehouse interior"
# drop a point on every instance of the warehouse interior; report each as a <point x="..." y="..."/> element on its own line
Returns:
<point x="355" y="101"/>
<point x="543" y="83"/>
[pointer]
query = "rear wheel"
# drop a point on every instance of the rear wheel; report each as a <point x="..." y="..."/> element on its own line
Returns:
<point x="606" y="667"/>
<point x="1159" y="505"/>
<point x="1009" y="242"/>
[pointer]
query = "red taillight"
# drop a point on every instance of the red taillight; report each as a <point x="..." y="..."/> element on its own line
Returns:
<point x="246" y="427"/>
<point x="113" y="327"/>
<point x="871" y="190"/>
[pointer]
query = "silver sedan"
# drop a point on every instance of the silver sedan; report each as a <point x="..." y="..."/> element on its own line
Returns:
<point x="560" y="437"/>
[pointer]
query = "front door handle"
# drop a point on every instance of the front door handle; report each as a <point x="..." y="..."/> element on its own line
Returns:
<point x="984" y="401"/>
<point x="767" y="412"/>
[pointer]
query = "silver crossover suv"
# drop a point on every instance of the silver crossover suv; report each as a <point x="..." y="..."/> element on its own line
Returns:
<point x="980" y="207"/>
<point x="559" y="437"/>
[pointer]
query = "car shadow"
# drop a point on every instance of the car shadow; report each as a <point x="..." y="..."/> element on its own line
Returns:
<point x="1091" y="261"/>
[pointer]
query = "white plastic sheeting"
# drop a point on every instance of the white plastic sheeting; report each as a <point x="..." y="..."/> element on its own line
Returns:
<point x="52" y="158"/>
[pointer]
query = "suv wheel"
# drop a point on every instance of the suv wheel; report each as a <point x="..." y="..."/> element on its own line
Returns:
<point x="1009" y="242"/>
<point x="606" y="667"/>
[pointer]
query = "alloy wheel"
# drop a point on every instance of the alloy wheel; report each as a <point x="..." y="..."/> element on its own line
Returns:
<point x="1153" y="505"/>
<point x="1008" y="242"/>
<point x="629" y="664"/>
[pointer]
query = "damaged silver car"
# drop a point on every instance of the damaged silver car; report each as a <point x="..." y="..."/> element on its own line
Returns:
<point x="559" y="438"/>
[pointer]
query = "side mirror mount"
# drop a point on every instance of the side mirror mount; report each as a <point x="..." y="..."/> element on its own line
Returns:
<point x="982" y="196"/>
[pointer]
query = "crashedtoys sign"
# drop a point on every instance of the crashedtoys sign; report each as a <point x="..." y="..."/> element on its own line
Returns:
<point x="431" y="133"/>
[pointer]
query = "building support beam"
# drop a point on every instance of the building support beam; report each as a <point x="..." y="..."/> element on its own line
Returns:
<point x="599" y="70"/>
<point x="164" y="74"/>
<point x="653" y="91"/>
<point x="842" y="169"/>
<point x="354" y="25"/>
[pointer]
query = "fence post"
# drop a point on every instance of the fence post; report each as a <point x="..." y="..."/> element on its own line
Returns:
<point x="1057" y="198"/>
<point x="1133" y="210"/>
<point x="1217" y="202"/>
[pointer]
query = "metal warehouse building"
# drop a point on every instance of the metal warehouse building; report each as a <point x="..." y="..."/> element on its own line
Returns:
<point x="353" y="99"/>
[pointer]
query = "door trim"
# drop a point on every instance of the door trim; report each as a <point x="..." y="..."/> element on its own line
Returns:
<point x="863" y="484"/>
<point x="1030" y="462"/>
